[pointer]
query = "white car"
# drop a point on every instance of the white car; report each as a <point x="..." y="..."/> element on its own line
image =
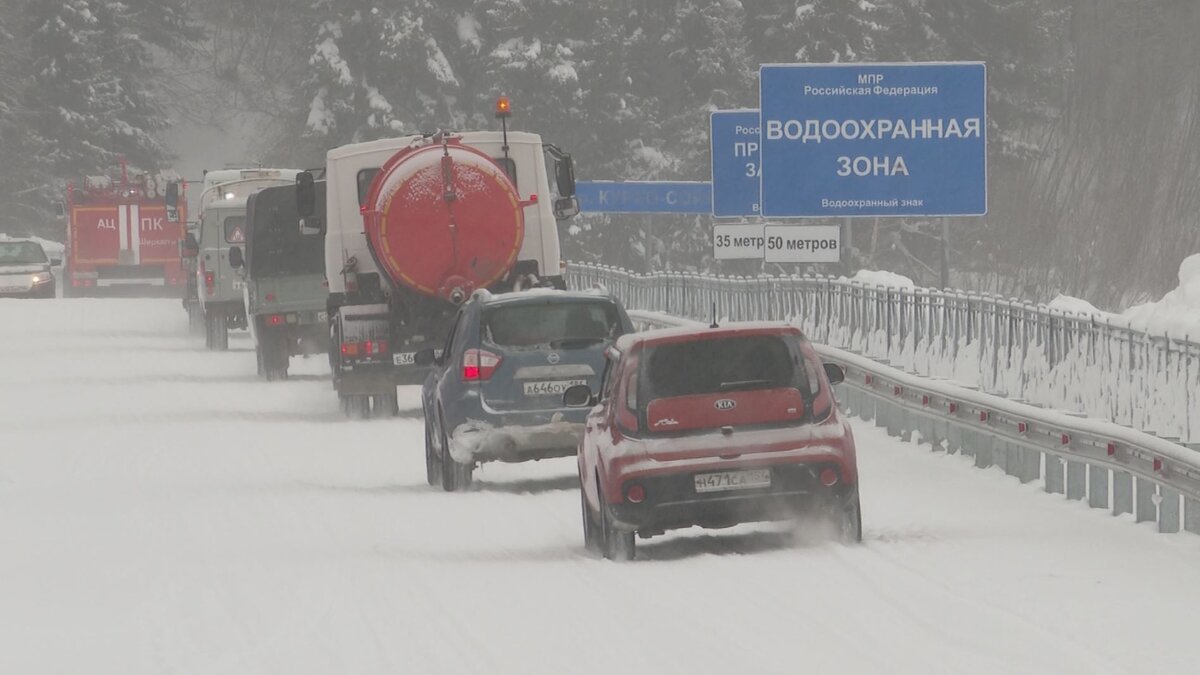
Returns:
<point x="25" y="270"/>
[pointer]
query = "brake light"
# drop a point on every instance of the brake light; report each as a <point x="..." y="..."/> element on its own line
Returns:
<point x="373" y="347"/>
<point x="479" y="365"/>
<point x="210" y="283"/>
<point x="350" y="348"/>
<point x="275" y="319"/>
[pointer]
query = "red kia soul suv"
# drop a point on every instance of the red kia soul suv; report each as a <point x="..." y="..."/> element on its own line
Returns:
<point x="713" y="427"/>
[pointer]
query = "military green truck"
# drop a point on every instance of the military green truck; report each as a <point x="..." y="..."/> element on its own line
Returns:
<point x="284" y="278"/>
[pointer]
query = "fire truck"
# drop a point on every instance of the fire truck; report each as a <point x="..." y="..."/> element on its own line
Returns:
<point x="124" y="234"/>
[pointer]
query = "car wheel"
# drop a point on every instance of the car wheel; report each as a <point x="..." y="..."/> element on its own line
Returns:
<point x="849" y="523"/>
<point x="591" y="537"/>
<point x="218" y="329"/>
<point x="616" y="544"/>
<point x="455" y="476"/>
<point x="433" y="463"/>
<point x="387" y="405"/>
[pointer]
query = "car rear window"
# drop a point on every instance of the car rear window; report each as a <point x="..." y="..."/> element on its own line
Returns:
<point x="235" y="229"/>
<point x="721" y="365"/>
<point x="561" y="325"/>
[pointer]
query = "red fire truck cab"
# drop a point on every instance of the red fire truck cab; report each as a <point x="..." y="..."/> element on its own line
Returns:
<point x="124" y="233"/>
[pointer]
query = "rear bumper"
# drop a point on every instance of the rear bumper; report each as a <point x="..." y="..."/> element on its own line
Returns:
<point x="517" y="437"/>
<point x="673" y="503"/>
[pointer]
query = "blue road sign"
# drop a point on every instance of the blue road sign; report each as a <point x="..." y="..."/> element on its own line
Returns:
<point x="643" y="197"/>
<point x="874" y="140"/>
<point x="734" y="138"/>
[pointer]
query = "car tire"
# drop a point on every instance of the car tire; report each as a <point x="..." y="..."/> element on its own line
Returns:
<point x="195" y="319"/>
<point x="355" y="406"/>
<point x="849" y="523"/>
<point x="433" y="462"/>
<point x="218" y="331"/>
<point x="275" y="357"/>
<point x="386" y="405"/>
<point x="455" y="476"/>
<point x="591" y="534"/>
<point x="616" y="544"/>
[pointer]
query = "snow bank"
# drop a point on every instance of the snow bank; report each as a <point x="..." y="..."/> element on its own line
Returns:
<point x="1178" y="312"/>
<point x="882" y="278"/>
<point x="1066" y="303"/>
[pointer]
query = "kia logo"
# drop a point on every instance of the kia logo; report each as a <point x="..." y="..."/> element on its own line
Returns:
<point x="725" y="404"/>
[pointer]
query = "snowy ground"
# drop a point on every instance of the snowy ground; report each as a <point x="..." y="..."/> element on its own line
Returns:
<point x="162" y="511"/>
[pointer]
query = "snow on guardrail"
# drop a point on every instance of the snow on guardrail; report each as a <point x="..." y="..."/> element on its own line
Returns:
<point x="1098" y="365"/>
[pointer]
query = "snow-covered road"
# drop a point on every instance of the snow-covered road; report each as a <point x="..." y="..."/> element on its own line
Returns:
<point x="162" y="511"/>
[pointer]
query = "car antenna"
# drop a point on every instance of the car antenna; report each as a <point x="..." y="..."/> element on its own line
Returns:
<point x="714" y="316"/>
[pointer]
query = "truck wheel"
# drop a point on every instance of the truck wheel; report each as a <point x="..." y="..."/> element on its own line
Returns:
<point x="386" y="405"/>
<point x="195" y="319"/>
<point x="433" y="463"/>
<point x="616" y="544"/>
<point x="355" y="406"/>
<point x="275" y="357"/>
<point x="455" y="476"/>
<point x="218" y="331"/>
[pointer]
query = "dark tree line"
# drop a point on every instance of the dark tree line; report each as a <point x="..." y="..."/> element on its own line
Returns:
<point x="1094" y="131"/>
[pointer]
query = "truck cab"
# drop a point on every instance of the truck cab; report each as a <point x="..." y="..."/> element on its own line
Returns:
<point x="222" y="246"/>
<point x="284" y="274"/>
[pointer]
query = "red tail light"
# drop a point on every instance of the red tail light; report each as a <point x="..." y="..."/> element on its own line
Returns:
<point x="275" y="320"/>
<point x="350" y="348"/>
<point x="479" y="365"/>
<point x="374" y="347"/>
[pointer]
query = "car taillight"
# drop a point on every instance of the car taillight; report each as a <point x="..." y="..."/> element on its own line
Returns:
<point x="275" y="319"/>
<point x="210" y="282"/>
<point x="479" y="364"/>
<point x="350" y="348"/>
<point x="829" y="478"/>
<point x="373" y="347"/>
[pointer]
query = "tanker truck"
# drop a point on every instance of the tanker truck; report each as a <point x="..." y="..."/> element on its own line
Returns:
<point x="413" y="226"/>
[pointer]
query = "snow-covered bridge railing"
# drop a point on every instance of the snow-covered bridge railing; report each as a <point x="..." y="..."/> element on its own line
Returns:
<point x="1016" y="350"/>
<point x="1109" y="465"/>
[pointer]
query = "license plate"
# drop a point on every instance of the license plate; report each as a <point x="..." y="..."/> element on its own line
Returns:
<point x="733" y="480"/>
<point x="550" y="387"/>
<point x="404" y="359"/>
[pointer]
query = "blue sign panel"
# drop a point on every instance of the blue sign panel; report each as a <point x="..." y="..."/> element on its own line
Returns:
<point x="643" y="197"/>
<point x="734" y="139"/>
<point x="874" y="140"/>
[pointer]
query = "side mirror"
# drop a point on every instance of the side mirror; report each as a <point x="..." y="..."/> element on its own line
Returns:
<point x="566" y="207"/>
<point x="55" y="262"/>
<point x="564" y="176"/>
<point x="235" y="257"/>
<point x="578" y="396"/>
<point x="312" y="226"/>
<point x="835" y="373"/>
<point x="60" y="210"/>
<point x="426" y="357"/>
<point x="306" y="194"/>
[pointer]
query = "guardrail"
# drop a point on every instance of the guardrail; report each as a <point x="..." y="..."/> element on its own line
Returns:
<point x="1109" y="465"/>
<point x="1076" y="362"/>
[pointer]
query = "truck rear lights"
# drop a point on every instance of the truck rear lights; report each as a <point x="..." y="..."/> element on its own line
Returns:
<point x="350" y="348"/>
<point x="829" y="478"/>
<point x="479" y="365"/>
<point x="276" y="320"/>
<point x="635" y="493"/>
<point x="210" y="283"/>
<point x="375" y="347"/>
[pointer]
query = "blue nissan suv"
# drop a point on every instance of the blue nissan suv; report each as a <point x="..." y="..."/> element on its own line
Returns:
<point x="494" y="392"/>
